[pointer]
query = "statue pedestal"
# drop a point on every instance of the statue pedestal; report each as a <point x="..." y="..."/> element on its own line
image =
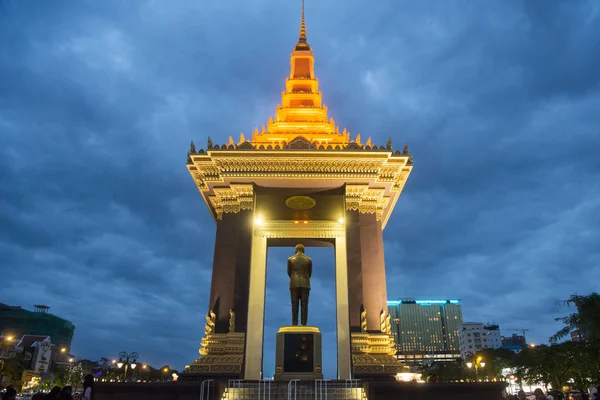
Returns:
<point x="298" y="353"/>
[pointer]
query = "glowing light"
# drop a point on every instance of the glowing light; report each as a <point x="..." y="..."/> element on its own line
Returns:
<point x="421" y="302"/>
<point x="306" y="222"/>
<point x="482" y="364"/>
<point x="119" y="364"/>
<point x="166" y="369"/>
<point x="144" y="366"/>
<point x="469" y="365"/>
<point x="258" y="221"/>
<point x="8" y="338"/>
<point x="133" y="365"/>
<point x="341" y="220"/>
<point x="63" y="350"/>
<point x="295" y="222"/>
<point x="532" y="345"/>
<point x="114" y="361"/>
<point x="70" y="360"/>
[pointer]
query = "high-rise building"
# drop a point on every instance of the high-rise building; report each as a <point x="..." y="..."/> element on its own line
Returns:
<point x="426" y="330"/>
<point x="17" y="322"/>
<point x="475" y="336"/>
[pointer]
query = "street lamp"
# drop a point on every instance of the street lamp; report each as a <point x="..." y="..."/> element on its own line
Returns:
<point x="478" y="363"/>
<point x="127" y="360"/>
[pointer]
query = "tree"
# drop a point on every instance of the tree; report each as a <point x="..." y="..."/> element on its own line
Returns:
<point x="586" y="319"/>
<point x="495" y="361"/>
<point x="12" y="368"/>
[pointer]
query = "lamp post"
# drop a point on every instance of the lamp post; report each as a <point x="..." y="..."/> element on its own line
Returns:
<point x="478" y="363"/>
<point x="127" y="360"/>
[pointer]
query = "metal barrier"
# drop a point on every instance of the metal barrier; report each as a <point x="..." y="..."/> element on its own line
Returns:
<point x="350" y="389"/>
<point x="238" y="389"/>
<point x="322" y="389"/>
<point x="205" y="389"/>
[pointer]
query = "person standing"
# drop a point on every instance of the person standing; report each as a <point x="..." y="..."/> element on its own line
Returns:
<point x="88" y="387"/>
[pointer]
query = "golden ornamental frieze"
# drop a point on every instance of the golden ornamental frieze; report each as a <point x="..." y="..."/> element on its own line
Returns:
<point x="296" y="165"/>
<point x="299" y="142"/>
<point x="232" y="199"/>
<point x="312" y="230"/>
<point x="366" y="200"/>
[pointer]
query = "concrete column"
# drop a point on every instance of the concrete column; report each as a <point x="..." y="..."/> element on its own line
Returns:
<point x="344" y="359"/>
<point x="355" y="277"/>
<point x="373" y="269"/>
<point x="256" y="309"/>
<point x="229" y="284"/>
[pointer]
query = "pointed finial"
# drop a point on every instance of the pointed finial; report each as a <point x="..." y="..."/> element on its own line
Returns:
<point x="302" y="38"/>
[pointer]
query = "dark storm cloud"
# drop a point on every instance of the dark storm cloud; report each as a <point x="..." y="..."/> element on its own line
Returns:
<point x="99" y="101"/>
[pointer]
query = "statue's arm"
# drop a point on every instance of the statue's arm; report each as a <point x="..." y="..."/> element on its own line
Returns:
<point x="289" y="268"/>
<point x="310" y="268"/>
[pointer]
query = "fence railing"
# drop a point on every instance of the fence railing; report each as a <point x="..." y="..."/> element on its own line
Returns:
<point x="205" y="389"/>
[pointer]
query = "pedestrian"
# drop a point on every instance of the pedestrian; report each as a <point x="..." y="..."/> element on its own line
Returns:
<point x="66" y="393"/>
<point x="10" y="393"/>
<point x="53" y="394"/>
<point x="88" y="387"/>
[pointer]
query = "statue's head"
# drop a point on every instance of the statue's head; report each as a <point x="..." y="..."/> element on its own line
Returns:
<point x="300" y="248"/>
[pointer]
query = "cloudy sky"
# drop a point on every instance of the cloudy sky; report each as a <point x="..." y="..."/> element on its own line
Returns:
<point x="99" y="218"/>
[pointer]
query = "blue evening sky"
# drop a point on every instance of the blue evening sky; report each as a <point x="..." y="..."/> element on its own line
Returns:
<point x="499" y="101"/>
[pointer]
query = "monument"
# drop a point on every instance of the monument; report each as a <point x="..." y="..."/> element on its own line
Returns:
<point x="299" y="181"/>
<point x="299" y="269"/>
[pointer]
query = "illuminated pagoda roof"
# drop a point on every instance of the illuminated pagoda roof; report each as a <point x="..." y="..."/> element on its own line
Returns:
<point x="300" y="144"/>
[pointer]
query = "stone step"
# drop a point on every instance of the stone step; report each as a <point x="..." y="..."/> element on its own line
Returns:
<point x="276" y="392"/>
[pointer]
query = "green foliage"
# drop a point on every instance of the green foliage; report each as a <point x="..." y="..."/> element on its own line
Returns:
<point x="586" y="319"/>
<point x="559" y="363"/>
<point x="12" y="368"/>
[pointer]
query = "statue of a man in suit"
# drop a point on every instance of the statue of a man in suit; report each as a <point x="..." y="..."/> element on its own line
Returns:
<point x="299" y="269"/>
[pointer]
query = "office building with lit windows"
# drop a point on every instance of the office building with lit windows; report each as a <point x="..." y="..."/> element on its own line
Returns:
<point x="426" y="330"/>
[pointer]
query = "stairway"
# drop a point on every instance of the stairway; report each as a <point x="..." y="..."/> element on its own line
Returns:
<point x="295" y="390"/>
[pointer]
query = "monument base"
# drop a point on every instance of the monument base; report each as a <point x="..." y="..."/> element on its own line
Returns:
<point x="298" y="353"/>
<point x="221" y="354"/>
<point x="373" y="356"/>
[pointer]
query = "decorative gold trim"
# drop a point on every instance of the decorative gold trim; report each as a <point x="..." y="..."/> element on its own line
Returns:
<point x="374" y="353"/>
<point x="220" y="353"/>
<point x="310" y="230"/>
<point x="366" y="200"/>
<point x="210" y="323"/>
<point x="382" y="173"/>
<point x="231" y="321"/>
<point x="298" y="329"/>
<point x="363" y="321"/>
<point x="232" y="199"/>
<point x="385" y="325"/>
<point x="300" y="202"/>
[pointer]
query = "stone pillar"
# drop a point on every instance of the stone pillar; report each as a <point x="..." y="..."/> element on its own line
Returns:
<point x="366" y="269"/>
<point x="355" y="287"/>
<point x="256" y="309"/>
<point x="231" y="269"/>
<point x="342" y="312"/>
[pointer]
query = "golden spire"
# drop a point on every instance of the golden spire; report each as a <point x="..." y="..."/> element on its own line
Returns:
<point x="302" y="38"/>
<point x="302" y="112"/>
<point x="302" y="45"/>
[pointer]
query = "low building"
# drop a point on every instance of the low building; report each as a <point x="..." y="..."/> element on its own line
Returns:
<point x="475" y="336"/>
<point x="514" y="340"/>
<point x="29" y="356"/>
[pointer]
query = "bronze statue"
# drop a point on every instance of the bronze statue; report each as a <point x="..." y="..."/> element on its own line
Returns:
<point x="299" y="269"/>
